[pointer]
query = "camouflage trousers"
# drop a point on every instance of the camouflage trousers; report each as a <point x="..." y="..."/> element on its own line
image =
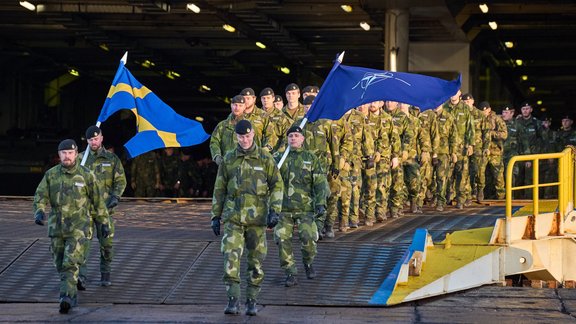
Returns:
<point x="332" y="201"/>
<point x="368" y="198"/>
<point x="106" y="249"/>
<point x="426" y="175"/>
<point x="144" y="189"/>
<point x="235" y="238"/>
<point x="412" y="179"/>
<point x="345" y="197"/>
<point x="67" y="255"/>
<point x="475" y="162"/>
<point x="356" y="183"/>
<point x="384" y="179"/>
<point x="308" y="234"/>
<point x="396" y="198"/>
<point x="494" y="166"/>
<point x="441" y="170"/>
<point x="458" y="178"/>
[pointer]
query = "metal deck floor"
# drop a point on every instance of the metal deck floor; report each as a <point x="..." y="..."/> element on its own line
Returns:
<point x="166" y="253"/>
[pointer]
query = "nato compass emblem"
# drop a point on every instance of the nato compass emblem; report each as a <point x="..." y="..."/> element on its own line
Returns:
<point x="371" y="78"/>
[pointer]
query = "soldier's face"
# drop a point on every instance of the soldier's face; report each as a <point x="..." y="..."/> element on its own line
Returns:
<point x="391" y="105"/>
<point x="267" y="101"/>
<point x="245" y="141"/>
<point x="546" y="124"/>
<point x="507" y="114"/>
<point x="95" y="142"/>
<point x="376" y="105"/>
<point x="526" y="111"/>
<point x="456" y="98"/>
<point x="249" y="101"/>
<point x="67" y="157"/>
<point x="278" y="104"/>
<point x="292" y="96"/>
<point x="238" y="109"/>
<point x="469" y="102"/>
<point x="486" y="111"/>
<point x="295" y="140"/>
<point x="567" y="123"/>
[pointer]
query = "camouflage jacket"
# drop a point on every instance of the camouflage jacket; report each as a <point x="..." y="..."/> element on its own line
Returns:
<point x="402" y="125"/>
<point x="447" y="133"/>
<point x="169" y="170"/>
<point x="565" y="137"/>
<point x="480" y="128"/>
<point x="550" y="141"/>
<point x="247" y="186"/>
<point x="340" y="141"/>
<point x="316" y="140"/>
<point x="262" y="130"/>
<point x="529" y="135"/>
<point x="305" y="183"/>
<point x="363" y="142"/>
<point x="223" y="138"/>
<point x="276" y="120"/>
<point x="71" y="194"/>
<point x="511" y="142"/>
<point x="290" y="117"/>
<point x="108" y="170"/>
<point x="145" y="169"/>
<point x="495" y="134"/>
<point x="429" y="124"/>
<point x="464" y="124"/>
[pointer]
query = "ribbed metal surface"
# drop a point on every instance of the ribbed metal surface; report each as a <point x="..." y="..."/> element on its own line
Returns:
<point x="167" y="253"/>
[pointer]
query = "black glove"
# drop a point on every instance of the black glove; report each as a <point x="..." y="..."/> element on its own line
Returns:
<point x="105" y="230"/>
<point x="215" y="224"/>
<point x="39" y="218"/>
<point x="335" y="172"/>
<point x="272" y="219"/>
<point x="370" y="163"/>
<point x="112" y="202"/>
<point x="320" y="210"/>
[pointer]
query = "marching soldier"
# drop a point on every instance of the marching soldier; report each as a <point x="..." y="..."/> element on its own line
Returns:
<point x="493" y="145"/>
<point x="223" y="138"/>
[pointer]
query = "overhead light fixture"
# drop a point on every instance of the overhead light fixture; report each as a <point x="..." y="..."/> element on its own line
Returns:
<point x="192" y="7"/>
<point x="74" y="72"/>
<point x="519" y="62"/>
<point x="483" y="7"/>
<point x="261" y="45"/>
<point x="199" y="118"/>
<point x="509" y="44"/>
<point x="171" y="74"/>
<point x="364" y="25"/>
<point x="147" y="64"/>
<point x="524" y="78"/>
<point x="543" y="109"/>
<point x="205" y="87"/>
<point x="493" y="25"/>
<point x="229" y="28"/>
<point x="104" y="47"/>
<point x="539" y="102"/>
<point x="285" y="70"/>
<point x="347" y="8"/>
<point x="28" y="5"/>
<point x="532" y="89"/>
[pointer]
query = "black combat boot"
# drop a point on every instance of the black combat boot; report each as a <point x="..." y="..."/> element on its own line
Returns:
<point x="251" y="307"/>
<point x="329" y="231"/>
<point x="310" y="272"/>
<point x="105" y="279"/>
<point x="65" y="304"/>
<point x="81" y="284"/>
<point x="232" y="307"/>
<point x="291" y="280"/>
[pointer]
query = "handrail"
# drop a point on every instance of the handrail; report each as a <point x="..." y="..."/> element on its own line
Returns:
<point x="566" y="194"/>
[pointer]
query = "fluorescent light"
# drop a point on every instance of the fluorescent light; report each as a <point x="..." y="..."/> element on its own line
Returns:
<point x="285" y="70"/>
<point x="539" y="102"/>
<point x="74" y="72"/>
<point x="148" y="64"/>
<point x="28" y="5"/>
<point x="228" y="28"/>
<point x="171" y="74"/>
<point x="205" y="87"/>
<point x="509" y="44"/>
<point x="483" y="7"/>
<point x="262" y="46"/>
<point x="364" y="25"/>
<point x="199" y="118"/>
<point x="524" y="78"/>
<point x="519" y="62"/>
<point x="192" y="7"/>
<point x="493" y="25"/>
<point x="347" y="8"/>
<point x="104" y="47"/>
<point x="532" y="89"/>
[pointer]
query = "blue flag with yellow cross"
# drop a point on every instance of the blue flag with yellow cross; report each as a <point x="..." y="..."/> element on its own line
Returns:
<point x="158" y="124"/>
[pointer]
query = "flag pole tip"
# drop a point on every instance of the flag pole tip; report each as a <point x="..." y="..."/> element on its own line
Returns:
<point x="124" y="58"/>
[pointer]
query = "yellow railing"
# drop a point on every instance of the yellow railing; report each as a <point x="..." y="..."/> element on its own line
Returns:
<point x="565" y="183"/>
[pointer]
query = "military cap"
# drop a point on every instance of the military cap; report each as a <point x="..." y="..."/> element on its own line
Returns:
<point x="93" y="131"/>
<point x="484" y="105"/>
<point x="525" y="104"/>
<point x="547" y="118"/>
<point x="278" y="98"/>
<point x="466" y="96"/>
<point x="266" y="92"/>
<point x="308" y="100"/>
<point x="238" y="99"/>
<point x="311" y="89"/>
<point x="294" y="129"/>
<point x="247" y="92"/>
<point x="568" y="117"/>
<point x="243" y="127"/>
<point x="291" y="86"/>
<point x="67" y="144"/>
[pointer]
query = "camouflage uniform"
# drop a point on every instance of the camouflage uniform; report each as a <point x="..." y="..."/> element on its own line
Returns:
<point x="495" y="133"/>
<point x="565" y="137"/>
<point x="420" y="144"/>
<point x="529" y="142"/>
<point x="145" y="171"/>
<point x="223" y="138"/>
<point x="290" y="117"/>
<point x="511" y="147"/>
<point x="549" y="168"/>
<point x="247" y="186"/>
<point x="429" y="126"/>
<point x="276" y="123"/>
<point x="449" y="144"/>
<point x="305" y="188"/>
<point x="110" y="177"/>
<point x="190" y="177"/>
<point x="169" y="173"/>
<point x="72" y="194"/>
<point x="407" y="135"/>
<point x="476" y="160"/>
<point x="265" y="136"/>
<point x="388" y="145"/>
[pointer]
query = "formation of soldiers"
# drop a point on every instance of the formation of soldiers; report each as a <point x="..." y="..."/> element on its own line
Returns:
<point x="385" y="156"/>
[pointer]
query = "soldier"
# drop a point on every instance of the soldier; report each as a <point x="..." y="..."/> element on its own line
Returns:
<point x="511" y="142"/>
<point x="369" y="177"/>
<point x="72" y="192"/>
<point x="189" y="175"/>
<point x="529" y="142"/>
<point x="548" y="168"/>
<point x="169" y="181"/>
<point x="223" y="139"/>
<point x="446" y="153"/>
<point x="566" y="134"/>
<point x="293" y="110"/>
<point x="476" y="159"/>
<point x="248" y="187"/>
<point x="305" y="190"/>
<point x="309" y="91"/>
<point x="275" y="118"/>
<point x="259" y="121"/>
<point x="109" y="173"/>
<point x="278" y="102"/>
<point x="429" y="126"/>
<point x="493" y="146"/>
<point x="145" y="171"/>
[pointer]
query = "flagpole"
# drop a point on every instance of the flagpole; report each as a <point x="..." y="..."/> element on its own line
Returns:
<point x="124" y="59"/>
<point x="305" y="119"/>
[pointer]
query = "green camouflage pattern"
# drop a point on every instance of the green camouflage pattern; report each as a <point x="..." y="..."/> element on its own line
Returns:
<point x="308" y="234"/>
<point x="449" y="143"/>
<point x="529" y="142"/>
<point x="223" y="138"/>
<point x="145" y="172"/>
<point x="429" y="126"/>
<point x="169" y="172"/>
<point x="407" y="141"/>
<point x="495" y="134"/>
<point x="340" y="145"/>
<point x="458" y="178"/>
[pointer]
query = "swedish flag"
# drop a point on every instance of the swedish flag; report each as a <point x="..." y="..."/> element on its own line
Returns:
<point x="158" y="125"/>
